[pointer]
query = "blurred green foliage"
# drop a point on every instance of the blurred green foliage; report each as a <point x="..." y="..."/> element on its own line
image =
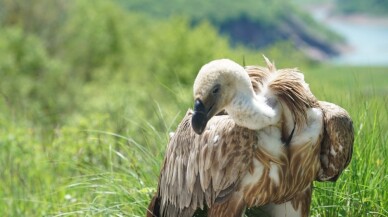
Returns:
<point x="57" y="54"/>
<point x="32" y="83"/>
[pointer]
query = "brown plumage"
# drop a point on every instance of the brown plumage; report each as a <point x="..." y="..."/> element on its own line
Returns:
<point x="337" y="142"/>
<point x="262" y="154"/>
<point x="190" y="175"/>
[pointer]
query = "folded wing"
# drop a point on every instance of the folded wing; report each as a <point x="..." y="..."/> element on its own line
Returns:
<point x="337" y="143"/>
<point x="201" y="170"/>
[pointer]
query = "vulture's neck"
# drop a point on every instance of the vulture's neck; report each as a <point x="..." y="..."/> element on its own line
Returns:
<point x="252" y="111"/>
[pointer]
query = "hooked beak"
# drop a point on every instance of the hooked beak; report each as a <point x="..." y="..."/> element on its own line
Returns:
<point x="201" y="116"/>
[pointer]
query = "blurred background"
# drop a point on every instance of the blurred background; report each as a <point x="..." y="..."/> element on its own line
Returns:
<point x="90" y="89"/>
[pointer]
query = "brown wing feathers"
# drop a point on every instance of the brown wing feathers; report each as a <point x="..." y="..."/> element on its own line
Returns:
<point x="337" y="143"/>
<point x="223" y="154"/>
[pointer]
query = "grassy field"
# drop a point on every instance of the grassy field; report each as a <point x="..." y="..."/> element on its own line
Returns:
<point x="107" y="164"/>
<point x="364" y="93"/>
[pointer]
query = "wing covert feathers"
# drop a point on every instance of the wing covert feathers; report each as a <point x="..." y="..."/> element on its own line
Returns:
<point x="223" y="152"/>
<point x="337" y="143"/>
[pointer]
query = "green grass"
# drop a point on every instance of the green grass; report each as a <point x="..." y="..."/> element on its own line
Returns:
<point x="364" y="93"/>
<point x="86" y="168"/>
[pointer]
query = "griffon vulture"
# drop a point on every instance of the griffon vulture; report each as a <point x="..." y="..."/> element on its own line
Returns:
<point x="274" y="141"/>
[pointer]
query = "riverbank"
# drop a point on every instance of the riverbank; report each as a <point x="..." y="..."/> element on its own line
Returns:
<point x="366" y="37"/>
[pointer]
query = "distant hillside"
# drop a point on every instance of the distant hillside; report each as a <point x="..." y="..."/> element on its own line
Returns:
<point x="375" y="7"/>
<point x="255" y="24"/>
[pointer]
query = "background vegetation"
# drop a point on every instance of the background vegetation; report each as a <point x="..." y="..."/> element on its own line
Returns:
<point x="255" y="24"/>
<point x="90" y="90"/>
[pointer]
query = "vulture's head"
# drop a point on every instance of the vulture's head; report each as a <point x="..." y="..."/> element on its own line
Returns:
<point x="214" y="89"/>
<point x="255" y="97"/>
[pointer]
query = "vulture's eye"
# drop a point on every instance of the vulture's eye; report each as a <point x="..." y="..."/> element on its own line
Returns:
<point x="216" y="89"/>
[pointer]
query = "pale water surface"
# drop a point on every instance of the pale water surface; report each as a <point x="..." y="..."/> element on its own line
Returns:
<point x="367" y="40"/>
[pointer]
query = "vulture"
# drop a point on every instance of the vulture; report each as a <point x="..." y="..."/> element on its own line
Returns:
<point x="256" y="139"/>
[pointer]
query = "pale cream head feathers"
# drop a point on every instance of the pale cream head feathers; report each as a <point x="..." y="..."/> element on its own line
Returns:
<point x="224" y="84"/>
